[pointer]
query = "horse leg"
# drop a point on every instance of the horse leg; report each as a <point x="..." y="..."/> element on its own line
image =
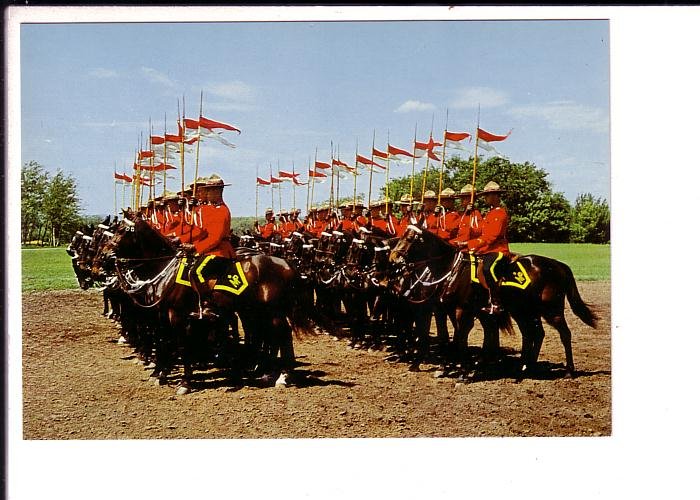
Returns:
<point x="422" y="334"/>
<point x="185" y="354"/>
<point x="460" y="341"/>
<point x="526" y="326"/>
<point x="443" y="335"/>
<point x="559" y="322"/>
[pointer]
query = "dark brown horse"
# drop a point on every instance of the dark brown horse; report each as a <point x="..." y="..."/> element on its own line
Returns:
<point x="266" y="304"/>
<point x="543" y="286"/>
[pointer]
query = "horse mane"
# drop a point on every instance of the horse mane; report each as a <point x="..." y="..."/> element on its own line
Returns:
<point x="444" y="246"/>
<point x="153" y="239"/>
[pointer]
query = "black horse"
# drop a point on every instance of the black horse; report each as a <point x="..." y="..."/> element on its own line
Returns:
<point x="540" y="290"/>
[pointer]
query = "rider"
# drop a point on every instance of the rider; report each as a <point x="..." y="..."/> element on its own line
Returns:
<point x="359" y="219"/>
<point x="447" y="216"/>
<point x="430" y="218"/>
<point x="407" y="215"/>
<point x="213" y="245"/>
<point x="492" y="244"/>
<point x="346" y="222"/>
<point x="294" y="223"/>
<point x="469" y="221"/>
<point x="269" y="229"/>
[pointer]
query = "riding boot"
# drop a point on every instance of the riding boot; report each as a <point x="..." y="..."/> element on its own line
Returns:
<point x="494" y="306"/>
<point x="206" y="310"/>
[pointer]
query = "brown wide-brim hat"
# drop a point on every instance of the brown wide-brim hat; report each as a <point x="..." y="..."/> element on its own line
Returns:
<point x="429" y="195"/>
<point x="214" y="181"/>
<point x="466" y="191"/>
<point x="491" y="188"/>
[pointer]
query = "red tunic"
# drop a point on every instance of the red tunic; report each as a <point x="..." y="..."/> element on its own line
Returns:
<point x="469" y="227"/>
<point x="214" y="238"/>
<point x="268" y="230"/>
<point x="346" y="225"/>
<point x="360" y="221"/>
<point x="405" y="221"/>
<point x="493" y="233"/>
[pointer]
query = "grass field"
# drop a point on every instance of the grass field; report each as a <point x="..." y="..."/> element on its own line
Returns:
<point x="47" y="269"/>
<point x="50" y="268"/>
<point x="588" y="262"/>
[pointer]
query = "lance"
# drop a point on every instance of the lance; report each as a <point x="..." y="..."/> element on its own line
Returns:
<point x="124" y="194"/>
<point x="337" y="186"/>
<point x="199" y="139"/>
<point x="272" y="191"/>
<point x="256" y="191"/>
<point x="115" y="189"/>
<point x="279" y="184"/>
<point x="354" y="175"/>
<point x="476" y="145"/>
<point x="308" y="186"/>
<point x="151" y="182"/>
<point x="386" y="181"/>
<point x="442" y="163"/>
<point x="413" y="167"/>
<point x="330" y="196"/>
<point x="294" y="187"/>
<point x="182" y="143"/>
<point x="165" y="150"/>
<point x="369" y="195"/>
<point x="427" y="161"/>
<point x="313" y="177"/>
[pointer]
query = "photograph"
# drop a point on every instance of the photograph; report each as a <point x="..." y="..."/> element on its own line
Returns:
<point x="368" y="233"/>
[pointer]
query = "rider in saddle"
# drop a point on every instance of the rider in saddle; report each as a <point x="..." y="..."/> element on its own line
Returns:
<point x="358" y="218"/>
<point x="407" y="216"/>
<point x="269" y="229"/>
<point x="430" y="218"/>
<point x="378" y="219"/>
<point x="447" y="216"/>
<point x="492" y="244"/>
<point x="468" y="221"/>
<point x="333" y="222"/>
<point x="213" y="246"/>
<point x="346" y="222"/>
<point x="284" y="225"/>
<point x="294" y="223"/>
<point x="313" y="225"/>
<point x="171" y="214"/>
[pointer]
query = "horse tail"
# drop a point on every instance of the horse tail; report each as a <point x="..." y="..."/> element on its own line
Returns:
<point x="505" y="324"/>
<point x="300" y="309"/>
<point x="578" y="306"/>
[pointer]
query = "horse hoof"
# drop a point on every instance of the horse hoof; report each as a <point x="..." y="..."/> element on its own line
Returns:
<point x="149" y="366"/>
<point x="159" y="381"/>
<point x="281" y="382"/>
<point x="414" y="368"/>
<point x="121" y="340"/>
<point x="182" y="390"/>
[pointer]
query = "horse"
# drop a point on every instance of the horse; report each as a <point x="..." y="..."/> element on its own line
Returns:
<point x="264" y="305"/>
<point x="542" y="287"/>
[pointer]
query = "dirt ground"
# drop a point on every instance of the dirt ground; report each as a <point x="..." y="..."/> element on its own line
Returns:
<point x="78" y="383"/>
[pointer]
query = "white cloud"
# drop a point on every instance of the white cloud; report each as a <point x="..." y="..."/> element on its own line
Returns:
<point x="472" y="97"/>
<point x="411" y="105"/>
<point x="229" y="96"/>
<point x="103" y="73"/>
<point x="565" y="115"/>
<point x="155" y="76"/>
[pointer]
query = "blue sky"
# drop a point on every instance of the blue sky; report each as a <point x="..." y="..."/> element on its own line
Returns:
<point x="88" y="91"/>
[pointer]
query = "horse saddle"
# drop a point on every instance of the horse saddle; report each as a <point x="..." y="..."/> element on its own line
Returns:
<point x="508" y="272"/>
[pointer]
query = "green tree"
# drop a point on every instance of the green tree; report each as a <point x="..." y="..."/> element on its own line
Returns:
<point x="537" y="213"/>
<point x="61" y="207"/>
<point x="34" y="182"/>
<point x="590" y="220"/>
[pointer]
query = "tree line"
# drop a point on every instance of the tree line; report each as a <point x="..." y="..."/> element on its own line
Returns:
<point x="50" y="206"/>
<point x="537" y="214"/>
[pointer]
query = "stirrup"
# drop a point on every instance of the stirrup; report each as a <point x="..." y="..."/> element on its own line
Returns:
<point x="492" y="309"/>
